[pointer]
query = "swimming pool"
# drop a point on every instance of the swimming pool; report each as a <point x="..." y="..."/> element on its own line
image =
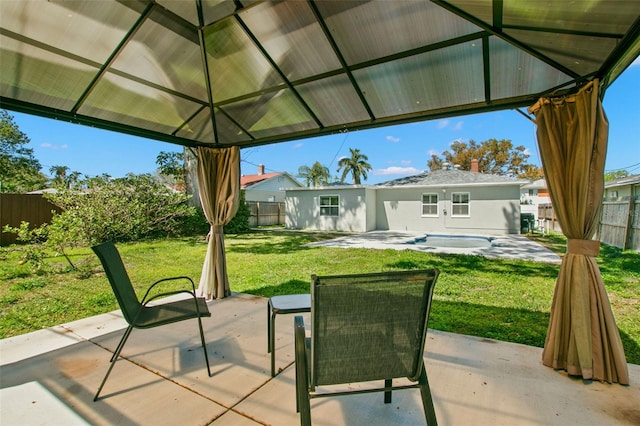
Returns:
<point x="453" y="241"/>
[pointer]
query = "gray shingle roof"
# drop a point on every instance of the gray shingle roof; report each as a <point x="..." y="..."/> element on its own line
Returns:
<point x="451" y="177"/>
<point x="628" y="180"/>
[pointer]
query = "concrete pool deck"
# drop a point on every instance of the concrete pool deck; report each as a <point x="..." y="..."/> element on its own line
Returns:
<point x="503" y="247"/>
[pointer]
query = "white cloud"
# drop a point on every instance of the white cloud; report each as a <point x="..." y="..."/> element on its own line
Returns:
<point x="433" y="152"/>
<point x="446" y="124"/>
<point x="635" y="63"/>
<point x="298" y="145"/>
<point x="405" y="162"/>
<point x="393" y="139"/>
<point x="526" y="152"/>
<point x="394" y="170"/>
<point x="54" y="147"/>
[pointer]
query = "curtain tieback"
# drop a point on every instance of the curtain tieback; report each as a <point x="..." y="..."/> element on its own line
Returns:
<point x="584" y="247"/>
<point x="217" y="229"/>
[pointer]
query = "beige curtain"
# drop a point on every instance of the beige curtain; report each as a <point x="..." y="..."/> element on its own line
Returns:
<point x="219" y="187"/>
<point x="582" y="338"/>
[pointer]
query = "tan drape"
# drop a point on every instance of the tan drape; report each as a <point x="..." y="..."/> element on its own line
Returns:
<point x="219" y="187"/>
<point x="582" y="337"/>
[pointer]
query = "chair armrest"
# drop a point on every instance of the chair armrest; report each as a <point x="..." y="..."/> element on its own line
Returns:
<point x="193" y="288"/>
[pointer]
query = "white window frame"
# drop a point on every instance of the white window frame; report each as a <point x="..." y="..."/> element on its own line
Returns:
<point x="431" y="203"/>
<point x="457" y="203"/>
<point x="334" y="209"/>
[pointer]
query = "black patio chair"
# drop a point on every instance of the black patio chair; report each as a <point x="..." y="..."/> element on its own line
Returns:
<point x="139" y="314"/>
<point x="364" y="328"/>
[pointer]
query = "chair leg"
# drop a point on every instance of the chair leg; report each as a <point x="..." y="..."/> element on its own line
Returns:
<point x="387" y="394"/>
<point x="272" y="343"/>
<point x="269" y="326"/>
<point x="427" y="401"/>
<point x="113" y="359"/>
<point x="204" y="346"/>
<point x="303" y="405"/>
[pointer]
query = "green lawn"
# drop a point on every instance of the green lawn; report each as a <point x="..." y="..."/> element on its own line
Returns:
<point x="500" y="299"/>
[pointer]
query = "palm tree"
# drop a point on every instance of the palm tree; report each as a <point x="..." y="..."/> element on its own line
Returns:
<point x="59" y="176"/>
<point x="356" y="165"/>
<point x="315" y="175"/>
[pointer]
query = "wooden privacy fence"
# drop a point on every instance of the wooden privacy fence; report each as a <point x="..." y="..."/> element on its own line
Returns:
<point x="18" y="208"/>
<point x="547" y="220"/>
<point x="265" y="213"/>
<point x="620" y="224"/>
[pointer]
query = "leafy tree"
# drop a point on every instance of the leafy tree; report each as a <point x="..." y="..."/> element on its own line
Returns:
<point x="494" y="156"/>
<point x="315" y="175"/>
<point x="171" y="164"/>
<point x="356" y="165"/>
<point x="19" y="169"/>
<point x="616" y="174"/>
<point x="531" y="172"/>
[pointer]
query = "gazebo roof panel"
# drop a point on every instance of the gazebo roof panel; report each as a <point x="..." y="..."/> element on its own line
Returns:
<point x="275" y="71"/>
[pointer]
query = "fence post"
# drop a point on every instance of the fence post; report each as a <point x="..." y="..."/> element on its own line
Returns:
<point x="627" y="229"/>
<point x="257" y="213"/>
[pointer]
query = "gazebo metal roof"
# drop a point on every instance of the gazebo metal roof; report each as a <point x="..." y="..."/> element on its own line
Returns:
<point x="245" y="72"/>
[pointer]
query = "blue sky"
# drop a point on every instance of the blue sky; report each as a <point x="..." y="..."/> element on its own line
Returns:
<point x="393" y="151"/>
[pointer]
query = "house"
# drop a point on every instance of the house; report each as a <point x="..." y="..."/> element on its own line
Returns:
<point x="622" y="189"/>
<point x="267" y="186"/>
<point x="532" y="195"/>
<point x="442" y="201"/>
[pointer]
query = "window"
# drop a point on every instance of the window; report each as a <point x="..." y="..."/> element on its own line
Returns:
<point x="329" y="205"/>
<point x="271" y="198"/>
<point x="460" y="204"/>
<point x="613" y="195"/>
<point x="429" y="204"/>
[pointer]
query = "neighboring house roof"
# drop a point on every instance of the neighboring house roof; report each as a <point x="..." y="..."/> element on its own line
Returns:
<point x="248" y="180"/>
<point x="44" y="191"/>
<point x="629" y="180"/>
<point x="451" y="178"/>
<point x="536" y="184"/>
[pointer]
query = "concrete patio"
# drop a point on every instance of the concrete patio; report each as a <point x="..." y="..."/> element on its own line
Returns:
<point x="49" y="377"/>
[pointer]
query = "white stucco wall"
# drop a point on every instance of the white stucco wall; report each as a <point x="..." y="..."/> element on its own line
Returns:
<point x="492" y="210"/>
<point x="620" y="193"/>
<point x="356" y="209"/>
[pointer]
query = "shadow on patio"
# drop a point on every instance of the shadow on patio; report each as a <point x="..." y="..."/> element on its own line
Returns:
<point x="50" y="376"/>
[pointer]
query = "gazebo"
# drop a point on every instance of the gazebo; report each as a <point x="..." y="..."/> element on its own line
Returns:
<point x="219" y="75"/>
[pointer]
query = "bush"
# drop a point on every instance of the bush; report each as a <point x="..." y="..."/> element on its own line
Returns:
<point x="240" y="222"/>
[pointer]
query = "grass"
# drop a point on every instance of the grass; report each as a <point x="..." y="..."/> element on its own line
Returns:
<point x="500" y="299"/>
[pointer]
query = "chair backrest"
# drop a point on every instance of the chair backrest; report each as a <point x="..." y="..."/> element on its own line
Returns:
<point x="369" y="326"/>
<point x="119" y="279"/>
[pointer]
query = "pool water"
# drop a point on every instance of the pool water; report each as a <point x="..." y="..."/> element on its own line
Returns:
<point x="454" y="241"/>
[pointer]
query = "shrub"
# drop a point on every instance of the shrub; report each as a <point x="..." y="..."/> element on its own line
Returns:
<point x="240" y="222"/>
<point x="123" y="209"/>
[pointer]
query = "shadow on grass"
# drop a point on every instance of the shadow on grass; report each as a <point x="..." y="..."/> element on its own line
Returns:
<point x="286" y="287"/>
<point x="261" y="242"/>
<point x="461" y="264"/>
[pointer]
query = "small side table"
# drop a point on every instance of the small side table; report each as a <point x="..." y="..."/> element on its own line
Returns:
<point x="287" y="304"/>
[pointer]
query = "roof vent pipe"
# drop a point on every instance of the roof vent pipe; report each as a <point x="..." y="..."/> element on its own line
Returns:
<point x="260" y="169"/>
